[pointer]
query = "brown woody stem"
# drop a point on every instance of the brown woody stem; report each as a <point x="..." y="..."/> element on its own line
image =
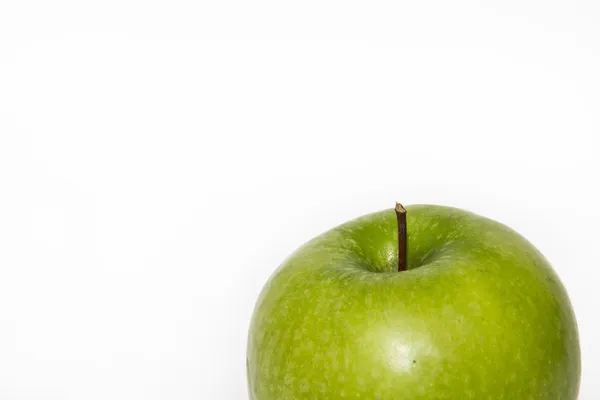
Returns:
<point x="401" y="216"/>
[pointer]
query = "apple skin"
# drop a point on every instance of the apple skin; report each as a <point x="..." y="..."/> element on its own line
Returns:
<point x="479" y="314"/>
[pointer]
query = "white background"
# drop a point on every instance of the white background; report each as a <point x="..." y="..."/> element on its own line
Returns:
<point x="159" y="159"/>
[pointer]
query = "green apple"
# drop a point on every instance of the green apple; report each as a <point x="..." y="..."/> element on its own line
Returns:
<point x="477" y="314"/>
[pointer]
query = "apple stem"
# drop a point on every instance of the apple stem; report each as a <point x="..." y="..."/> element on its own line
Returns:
<point x="401" y="216"/>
